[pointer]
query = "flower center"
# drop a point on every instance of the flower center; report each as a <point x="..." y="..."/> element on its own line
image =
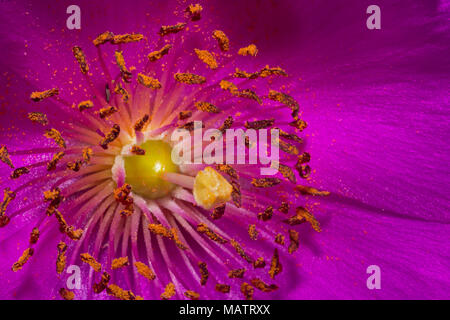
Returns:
<point x="143" y="172"/>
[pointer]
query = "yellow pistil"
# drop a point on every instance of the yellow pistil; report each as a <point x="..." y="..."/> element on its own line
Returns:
<point x="144" y="172"/>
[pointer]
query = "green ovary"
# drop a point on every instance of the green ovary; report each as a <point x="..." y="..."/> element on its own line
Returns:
<point x="143" y="172"/>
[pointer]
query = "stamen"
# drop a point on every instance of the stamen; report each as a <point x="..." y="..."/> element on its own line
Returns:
<point x="125" y="73"/>
<point x="275" y="265"/>
<point x="289" y="136"/>
<point x="120" y="90"/>
<point x="18" y="172"/>
<point x="23" y="259"/>
<point x="303" y="213"/>
<point x="183" y="115"/>
<point x="116" y="291"/>
<point x="169" y="291"/>
<point x="287" y="173"/>
<point x="226" y="168"/>
<point x="274" y="71"/>
<point x="279" y="238"/>
<point x="148" y="82"/>
<point x="243" y="74"/>
<point x="103" y="38"/>
<point x="293" y="236"/>
<point x="247" y="290"/>
<point x="287" y="147"/>
<point x="222" y="39"/>
<point x="259" y="263"/>
<point x="240" y="251"/>
<point x="156" y="55"/>
<point x="207" y="58"/>
<point x="144" y="270"/>
<point x="303" y="170"/>
<point x="56" y="136"/>
<point x="286" y="100"/>
<point x="203" y="229"/>
<point x="110" y="137"/>
<point x="56" y="157"/>
<point x="236" y="273"/>
<point x="103" y="284"/>
<point x="107" y="111"/>
<point x="267" y="214"/>
<point x="311" y="191"/>
<point x="228" y="86"/>
<point x="75" y="166"/>
<point x="252" y="232"/>
<point x="87" y="154"/>
<point x="189" y="78"/>
<point x="246" y="93"/>
<point x="38" y="117"/>
<point x="55" y="198"/>
<point x="165" y="30"/>
<point x="299" y="124"/>
<point x="90" y="260"/>
<point x="4" y="156"/>
<point x="66" y="294"/>
<point x="137" y="151"/>
<point x="41" y="95"/>
<point x="218" y="212"/>
<point x="207" y="107"/>
<point x="192" y="295"/>
<point x="65" y="228"/>
<point x="265" y="182"/>
<point x="236" y="194"/>
<point x="250" y="50"/>
<point x="8" y="196"/>
<point x="61" y="260"/>
<point x="228" y="122"/>
<point x="284" y="207"/>
<point x="194" y="11"/>
<point x="120" y="263"/>
<point x="84" y="105"/>
<point x="263" y="73"/>
<point x="261" y="285"/>
<point x="160" y="230"/>
<point x="305" y="157"/>
<point x="81" y="58"/>
<point x="259" y="124"/>
<point x="224" y="288"/>
<point x="141" y="123"/>
<point x="34" y="236"/>
<point x="127" y="38"/>
<point x="204" y="274"/>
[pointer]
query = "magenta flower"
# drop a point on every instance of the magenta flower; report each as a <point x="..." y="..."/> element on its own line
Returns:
<point x="89" y="105"/>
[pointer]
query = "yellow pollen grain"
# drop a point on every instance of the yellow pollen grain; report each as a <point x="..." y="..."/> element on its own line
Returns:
<point x="250" y="50"/>
<point x="211" y="189"/>
<point x="148" y="82"/>
<point x="207" y="58"/>
<point x="222" y="39"/>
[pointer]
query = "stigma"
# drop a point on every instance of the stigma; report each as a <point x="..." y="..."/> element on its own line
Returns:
<point x="144" y="170"/>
